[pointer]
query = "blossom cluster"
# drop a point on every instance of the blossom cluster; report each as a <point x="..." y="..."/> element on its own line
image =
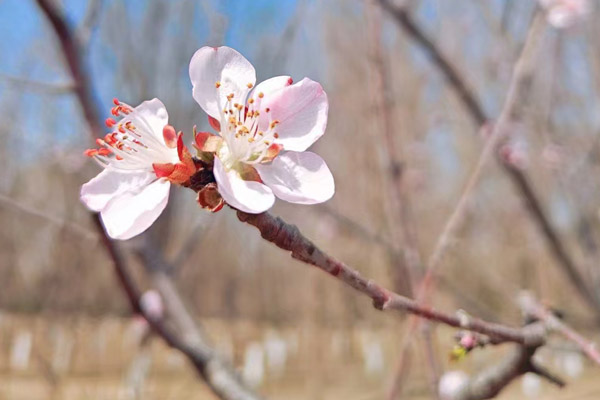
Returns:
<point x="258" y="150"/>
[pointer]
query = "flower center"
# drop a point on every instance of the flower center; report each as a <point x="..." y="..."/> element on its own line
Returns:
<point x="132" y="145"/>
<point x="246" y="139"/>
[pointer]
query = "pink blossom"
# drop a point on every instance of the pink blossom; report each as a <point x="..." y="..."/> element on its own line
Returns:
<point x="152" y="305"/>
<point x="565" y="13"/>
<point x="141" y="157"/>
<point x="264" y="132"/>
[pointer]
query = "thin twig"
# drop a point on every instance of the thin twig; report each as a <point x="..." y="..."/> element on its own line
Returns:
<point x="190" y="245"/>
<point x="402" y="226"/>
<point x="72" y="53"/>
<point x="531" y="307"/>
<point x="48" y="216"/>
<point x="39" y="86"/>
<point x="90" y="20"/>
<point x="407" y="270"/>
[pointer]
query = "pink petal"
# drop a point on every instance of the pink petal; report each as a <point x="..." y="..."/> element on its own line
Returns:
<point x="270" y="86"/>
<point x="224" y="66"/>
<point x="131" y="213"/>
<point x="96" y="193"/>
<point x="298" y="177"/>
<point x="152" y="115"/>
<point x="302" y="113"/>
<point x="248" y="196"/>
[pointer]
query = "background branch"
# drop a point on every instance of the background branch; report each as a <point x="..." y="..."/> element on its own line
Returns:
<point x="470" y="102"/>
<point x="217" y="374"/>
<point x="490" y="382"/>
<point x="38" y="86"/>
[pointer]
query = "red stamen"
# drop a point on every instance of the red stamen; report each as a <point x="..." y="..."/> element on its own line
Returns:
<point x="104" y="151"/>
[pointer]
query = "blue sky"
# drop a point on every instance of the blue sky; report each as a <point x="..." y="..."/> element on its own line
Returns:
<point x="25" y="36"/>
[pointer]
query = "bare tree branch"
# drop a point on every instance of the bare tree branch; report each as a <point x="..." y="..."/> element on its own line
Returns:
<point x="72" y="53"/>
<point x="531" y="307"/>
<point x="84" y="32"/>
<point x="223" y="381"/>
<point x="517" y="176"/>
<point x="38" y="86"/>
<point x="490" y="382"/>
<point x="219" y="375"/>
<point x="47" y="216"/>
<point x="190" y="245"/>
<point x="520" y="77"/>
<point x="288" y="237"/>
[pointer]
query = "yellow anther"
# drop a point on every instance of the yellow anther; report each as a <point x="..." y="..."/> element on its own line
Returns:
<point x="276" y="135"/>
<point x="249" y="85"/>
<point x="217" y="84"/>
<point x="250" y="101"/>
<point x="261" y="95"/>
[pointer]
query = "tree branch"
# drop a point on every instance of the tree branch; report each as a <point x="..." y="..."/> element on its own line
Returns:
<point x="222" y="380"/>
<point x="39" y="86"/>
<point x="75" y="229"/>
<point x="490" y="382"/>
<point x="467" y="97"/>
<point x="520" y="76"/>
<point x="218" y="374"/>
<point x="288" y="237"/>
<point x="531" y="307"/>
<point x="72" y="53"/>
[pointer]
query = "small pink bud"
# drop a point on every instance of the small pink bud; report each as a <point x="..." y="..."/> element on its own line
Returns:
<point x="468" y="341"/>
<point x="152" y="305"/>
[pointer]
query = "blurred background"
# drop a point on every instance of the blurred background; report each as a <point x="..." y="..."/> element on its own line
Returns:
<point x="66" y="328"/>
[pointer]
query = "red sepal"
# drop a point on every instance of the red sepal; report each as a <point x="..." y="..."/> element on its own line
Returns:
<point x="214" y="123"/>
<point x="170" y="136"/>
<point x="163" y="170"/>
